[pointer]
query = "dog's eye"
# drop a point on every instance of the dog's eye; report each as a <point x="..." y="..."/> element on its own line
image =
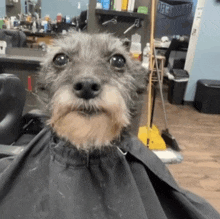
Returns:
<point x="60" y="59"/>
<point x="117" y="61"/>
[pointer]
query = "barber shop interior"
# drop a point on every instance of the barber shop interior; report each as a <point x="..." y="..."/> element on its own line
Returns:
<point x="110" y="109"/>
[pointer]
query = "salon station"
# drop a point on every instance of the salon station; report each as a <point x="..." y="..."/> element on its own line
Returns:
<point x="177" y="41"/>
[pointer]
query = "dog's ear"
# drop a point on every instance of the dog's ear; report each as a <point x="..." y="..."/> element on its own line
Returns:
<point x="126" y="43"/>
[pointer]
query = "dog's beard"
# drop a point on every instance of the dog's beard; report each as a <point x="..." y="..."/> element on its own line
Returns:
<point x="89" y="124"/>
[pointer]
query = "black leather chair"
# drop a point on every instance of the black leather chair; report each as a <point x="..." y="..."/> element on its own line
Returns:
<point x="16" y="130"/>
<point x="14" y="38"/>
<point x="176" y="54"/>
<point x="12" y="100"/>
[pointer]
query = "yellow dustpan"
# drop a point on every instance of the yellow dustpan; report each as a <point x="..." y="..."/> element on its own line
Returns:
<point x="155" y="141"/>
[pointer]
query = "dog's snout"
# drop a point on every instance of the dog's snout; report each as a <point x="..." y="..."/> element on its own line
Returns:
<point x="87" y="88"/>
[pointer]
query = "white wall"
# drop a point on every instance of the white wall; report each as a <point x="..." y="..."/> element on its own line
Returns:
<point x="206" y="61"/>
<point x="2" y="8"/>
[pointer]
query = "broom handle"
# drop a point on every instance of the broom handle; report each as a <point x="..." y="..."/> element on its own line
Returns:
<point x="153" y="104"/>
<point x="161" y="90"/>
<point x="153" y="7"/>
<point x="149" y="101"/>
<point x="153" y="3"/>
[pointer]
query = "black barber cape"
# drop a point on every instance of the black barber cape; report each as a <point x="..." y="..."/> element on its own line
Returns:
<point x="52" y="180"/>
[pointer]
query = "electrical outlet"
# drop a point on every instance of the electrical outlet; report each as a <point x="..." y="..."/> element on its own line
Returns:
<point x="3" y="46"/>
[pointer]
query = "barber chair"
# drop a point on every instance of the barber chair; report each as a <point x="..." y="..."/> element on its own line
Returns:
<point x="14" y="38"/>
<point x="83" y="20"/>
<point x="16" y="130"/>
<point x="176" y="54"/>
<point x="80" y="21"/>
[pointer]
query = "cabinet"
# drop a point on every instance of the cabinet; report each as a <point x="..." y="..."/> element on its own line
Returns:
<point x="98" y="17"/>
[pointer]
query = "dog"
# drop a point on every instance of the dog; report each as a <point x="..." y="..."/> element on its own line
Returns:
<point x="91" y="89"/>
<point x="85" y="163"/>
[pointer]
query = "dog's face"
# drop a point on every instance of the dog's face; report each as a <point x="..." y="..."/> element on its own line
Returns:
<point x="92" y="88"/>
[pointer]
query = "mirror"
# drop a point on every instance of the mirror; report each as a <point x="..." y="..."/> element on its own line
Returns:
<point x="71" y="8"/>
<point x="31" y="7"/>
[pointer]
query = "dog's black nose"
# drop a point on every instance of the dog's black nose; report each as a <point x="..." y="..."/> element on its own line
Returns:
<point x="87" y="88"/>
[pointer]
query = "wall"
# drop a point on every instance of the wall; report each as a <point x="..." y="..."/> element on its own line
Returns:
<point x="206" y="64"/>
<point x="2" y="9"/>
<point x="194" y="35"/>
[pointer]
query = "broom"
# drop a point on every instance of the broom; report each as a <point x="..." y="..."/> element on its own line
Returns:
<point x="167" y="137"/>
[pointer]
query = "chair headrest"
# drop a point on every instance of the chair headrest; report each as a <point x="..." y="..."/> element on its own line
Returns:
<point x="12" y="100"/>
<point x="12" y="94"/>
<point x="14" y="38"/>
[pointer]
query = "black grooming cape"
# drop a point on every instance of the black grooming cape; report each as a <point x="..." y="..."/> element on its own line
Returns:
<point x="50" y="179"/>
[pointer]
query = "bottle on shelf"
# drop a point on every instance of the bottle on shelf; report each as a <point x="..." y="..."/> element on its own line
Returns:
<point x="59" y="18"/>
<point x="34" y="27"/>
<point x="118" y="4"/>
<point x="106" y="4"/>
<point x="124" y="6"/>
<point x="135" y="49"/>
<point x="146" y="56"/>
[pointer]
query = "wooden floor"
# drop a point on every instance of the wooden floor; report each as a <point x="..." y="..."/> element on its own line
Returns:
<point x="198" y="135"/>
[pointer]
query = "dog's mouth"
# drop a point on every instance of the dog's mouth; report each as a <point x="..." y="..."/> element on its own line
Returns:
<point x="89" y="111"/>
<point x="91" y="123"/>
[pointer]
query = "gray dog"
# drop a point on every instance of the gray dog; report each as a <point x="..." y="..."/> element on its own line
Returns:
<point x="92" y="87"/>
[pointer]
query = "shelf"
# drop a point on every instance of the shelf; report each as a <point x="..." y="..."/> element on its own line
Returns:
<point x="121" y="14"/>
<point x="10" y="5"/>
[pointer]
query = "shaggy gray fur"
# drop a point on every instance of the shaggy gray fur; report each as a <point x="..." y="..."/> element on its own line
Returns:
<point x="89" y="56"/>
